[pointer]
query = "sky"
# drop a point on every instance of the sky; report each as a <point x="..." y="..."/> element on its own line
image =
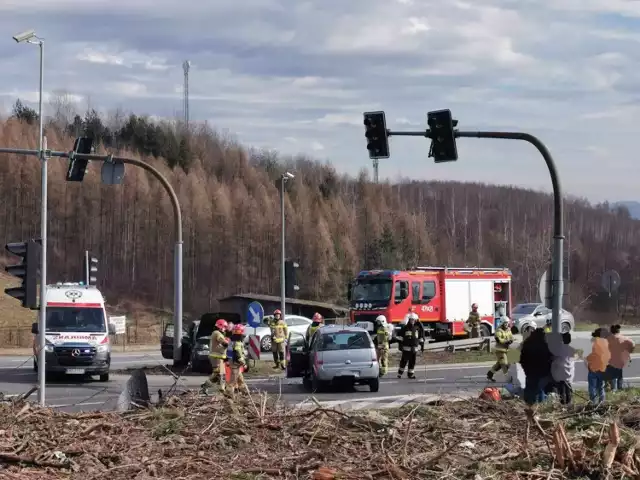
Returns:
<point x="296" y="76"/>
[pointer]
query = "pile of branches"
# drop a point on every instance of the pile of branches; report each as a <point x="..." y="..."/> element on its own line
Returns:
<point x="255" y="437"/>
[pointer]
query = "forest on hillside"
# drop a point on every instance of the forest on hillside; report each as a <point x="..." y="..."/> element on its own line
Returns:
<point x="336" y="225"/>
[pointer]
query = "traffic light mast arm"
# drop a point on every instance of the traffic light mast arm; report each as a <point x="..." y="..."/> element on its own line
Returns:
<point x="558" y="210"/>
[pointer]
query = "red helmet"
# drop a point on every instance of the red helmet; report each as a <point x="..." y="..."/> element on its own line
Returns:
<point x="221" y="324"/>
<point x="317" y="317"/>
<point x="474" y="306"/>
<point x="238" y="329"/>
<point x="277" y="312"/>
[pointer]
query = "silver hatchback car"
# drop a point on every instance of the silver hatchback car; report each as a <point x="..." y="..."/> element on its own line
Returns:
<point x="334" y="354"/>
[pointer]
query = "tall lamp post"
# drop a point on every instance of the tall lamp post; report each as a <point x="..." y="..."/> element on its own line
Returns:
<point x="285" y="177"/>
<point x="30" y="37"/>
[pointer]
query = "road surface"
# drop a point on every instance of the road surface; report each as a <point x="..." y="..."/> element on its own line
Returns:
<point x="458" y="379"/>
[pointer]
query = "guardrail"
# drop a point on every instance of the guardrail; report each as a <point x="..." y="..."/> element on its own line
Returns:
<point x="484" y="343"/>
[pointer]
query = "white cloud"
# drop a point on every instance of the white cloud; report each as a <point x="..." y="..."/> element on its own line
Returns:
<point x="297" y="76"/>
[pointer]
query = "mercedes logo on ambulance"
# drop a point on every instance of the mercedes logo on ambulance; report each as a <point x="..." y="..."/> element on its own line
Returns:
<point x="75" y="352"/>
<point x="73" y="294"/>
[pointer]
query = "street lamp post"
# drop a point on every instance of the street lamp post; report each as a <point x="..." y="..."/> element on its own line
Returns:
<point x="285" y="176"/>
<point x="30" y="37"/>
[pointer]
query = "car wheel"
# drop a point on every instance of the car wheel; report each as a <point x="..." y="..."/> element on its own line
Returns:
<point x="104" y="377"/>
<point x="306" y="383"/>
<point x="485" y="331"/>
<point x="316" y="385"/>
<point x="565" y="327"/>
<point x="265" y="343"/>
<point x="374" y="385"/>
<point x="527" y="329"/>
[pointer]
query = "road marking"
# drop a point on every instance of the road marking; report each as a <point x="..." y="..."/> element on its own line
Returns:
<point x="82" y="404"/>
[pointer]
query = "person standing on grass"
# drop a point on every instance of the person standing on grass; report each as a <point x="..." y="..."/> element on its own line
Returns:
<point x="562" y="365"/>
<point x="597" y="362"/>
<point x="621" y="348"/>
<point x="535" y="359"/>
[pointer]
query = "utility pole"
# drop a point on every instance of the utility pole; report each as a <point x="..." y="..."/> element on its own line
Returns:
<point x="375" y="170"/>
<point x="185" y="105"/>
<point x="283" y="286"/>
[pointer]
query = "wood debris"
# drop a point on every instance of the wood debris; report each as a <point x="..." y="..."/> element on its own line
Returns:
<point x="197" y="437"/>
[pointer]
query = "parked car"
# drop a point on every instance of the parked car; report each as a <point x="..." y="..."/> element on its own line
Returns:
<point x="295" y="323"/>
<point x="335" y="353"/>
<point x="195" y="340"/>
<point x="529" y="316"/>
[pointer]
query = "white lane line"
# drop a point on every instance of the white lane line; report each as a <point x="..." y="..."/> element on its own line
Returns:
<point x="359" y="405"/>
<point x="83" y="404"/>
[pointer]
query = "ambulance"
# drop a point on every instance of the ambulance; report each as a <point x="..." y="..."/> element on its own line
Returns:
<point x="77" y="332"/>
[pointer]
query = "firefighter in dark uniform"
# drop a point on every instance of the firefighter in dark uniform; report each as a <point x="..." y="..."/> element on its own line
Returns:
<point x="410" y="338"/>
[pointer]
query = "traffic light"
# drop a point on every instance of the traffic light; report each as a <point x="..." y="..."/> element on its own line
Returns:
<point x="77" y="167"/>
<point x="376" y="133"/>
<point x="27" y="271"/>
<point x="443" y="140"/>
<point x="290" y="282"/>
<point x="90" y="270"/>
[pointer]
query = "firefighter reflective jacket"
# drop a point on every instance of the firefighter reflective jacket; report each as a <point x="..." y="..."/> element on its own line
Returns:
<point x="409" y="337"/>
<point x="474" y="319"/>
<point x="239" y="356"/>
<point x="382" y="338"/>
<point x="312" y="329"/>
<point x="279" y="332"/>
<point x="218" y="345"/>
<point x="504" y="338"/>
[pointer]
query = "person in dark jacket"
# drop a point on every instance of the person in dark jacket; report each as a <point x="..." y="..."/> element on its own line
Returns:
<point x="535" y="359"/>
<point x="410" y="338"/>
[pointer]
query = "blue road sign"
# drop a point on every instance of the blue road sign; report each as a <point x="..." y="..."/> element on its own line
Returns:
<point x="255" y="314"/>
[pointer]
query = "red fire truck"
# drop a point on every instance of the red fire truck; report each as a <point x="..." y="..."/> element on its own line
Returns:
<point x="441" y="296"/>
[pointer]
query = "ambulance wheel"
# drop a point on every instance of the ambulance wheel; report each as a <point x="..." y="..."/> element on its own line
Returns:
<point x="104" y="377"/>
<point x="485" y="331"/>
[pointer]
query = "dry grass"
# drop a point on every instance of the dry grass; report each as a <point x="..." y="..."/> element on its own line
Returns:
<point x="145" y="324"/>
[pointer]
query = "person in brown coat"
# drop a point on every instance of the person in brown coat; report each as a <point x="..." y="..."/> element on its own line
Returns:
<point x="621" y="348"/>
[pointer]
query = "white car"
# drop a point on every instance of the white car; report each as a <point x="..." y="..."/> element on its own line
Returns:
<point x="529" y="316"/>
<point x="295" y="323"/>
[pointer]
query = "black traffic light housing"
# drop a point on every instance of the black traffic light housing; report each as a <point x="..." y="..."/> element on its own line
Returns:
<point x="27" y="271"/>
<point x="443" y="139"/>
<point x="376" y="133"/>
<point x="90" y="269"/>
<point x="77" y="167"/>
<point x="291" y="287"/>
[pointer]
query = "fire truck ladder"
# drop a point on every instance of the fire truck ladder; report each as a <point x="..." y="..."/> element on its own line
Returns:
<point x="464" y="269"/>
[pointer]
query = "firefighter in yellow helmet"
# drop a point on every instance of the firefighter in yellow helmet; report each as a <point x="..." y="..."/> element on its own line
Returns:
<point x="474" y="321"/>
<point x="217" y="355"/>
<point x="316" y="323"/>
<point x="382" y="343"/>
<point x="547" y="327"/>
<point x="504" y="338"/>
<point x="238" y="359"/>
<point x="279" y="334"/>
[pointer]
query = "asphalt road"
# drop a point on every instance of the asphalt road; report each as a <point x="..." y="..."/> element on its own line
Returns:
<point x="71" y="394"/>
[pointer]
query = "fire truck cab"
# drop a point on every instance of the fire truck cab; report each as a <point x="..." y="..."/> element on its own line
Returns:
<point x="440" y="296"/>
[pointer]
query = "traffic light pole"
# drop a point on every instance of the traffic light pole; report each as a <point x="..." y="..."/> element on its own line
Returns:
<point x="557" y="259"/>
<point x="178" y="254"/>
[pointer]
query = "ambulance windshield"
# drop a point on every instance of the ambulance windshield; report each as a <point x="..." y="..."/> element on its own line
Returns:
<point x="63" y="319"/>
<point x="372" y="290"/>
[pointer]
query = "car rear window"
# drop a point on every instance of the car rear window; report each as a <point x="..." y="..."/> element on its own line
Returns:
<point x="344" y="341"/>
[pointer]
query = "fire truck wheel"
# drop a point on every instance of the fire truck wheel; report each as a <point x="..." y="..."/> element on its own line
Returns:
<point x="485" y="331"/>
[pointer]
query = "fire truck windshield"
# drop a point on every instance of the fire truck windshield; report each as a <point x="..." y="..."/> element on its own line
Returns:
<point x="372" y="290"/>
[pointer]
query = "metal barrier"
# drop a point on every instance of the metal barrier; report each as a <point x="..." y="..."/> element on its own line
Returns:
<point x="21" y="337"/>
<point x="484" y="343"/>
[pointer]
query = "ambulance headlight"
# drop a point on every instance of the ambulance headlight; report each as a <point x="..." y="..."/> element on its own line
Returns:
<point x="48" y="348"/>
<point x="102" y="348"/>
